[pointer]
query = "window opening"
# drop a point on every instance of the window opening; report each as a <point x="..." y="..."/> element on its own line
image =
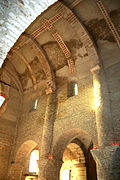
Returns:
<point x="72" y="89"/>
<point x="34" y="105"/>
<point x="76" y="89"/>
<point x="33" y="166"/>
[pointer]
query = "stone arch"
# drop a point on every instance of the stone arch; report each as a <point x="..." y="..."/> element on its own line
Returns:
<point x="17" y="16"/>
<point x="66" y="138"/>
<point x="79" y="137"/>
<point x="16" y="166"/>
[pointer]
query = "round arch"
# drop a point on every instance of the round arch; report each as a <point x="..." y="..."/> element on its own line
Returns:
<point x="80" y="138"/>
<point x="16" y="167"/>
<point x="66" y="138"/>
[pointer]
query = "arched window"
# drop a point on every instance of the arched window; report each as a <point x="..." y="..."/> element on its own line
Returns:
<point x="33" y="166"/>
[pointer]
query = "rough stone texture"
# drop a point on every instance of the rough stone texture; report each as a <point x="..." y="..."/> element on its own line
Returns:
<point x="6" y="139"/>
<point x="108" y="162"/>
<point x="72" y="119"/>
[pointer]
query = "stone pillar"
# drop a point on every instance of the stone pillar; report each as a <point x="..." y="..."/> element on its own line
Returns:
<point x="49" y="169"/>
<point x="108" y="162"/>
<point x="45" y="163"/>
<point x="102" y="108"/>
<point x="105" y="131"/>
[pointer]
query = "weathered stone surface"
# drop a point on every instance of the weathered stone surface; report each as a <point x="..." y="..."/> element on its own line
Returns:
<point x="108" y="162"/>
<point x="54" y="124"/>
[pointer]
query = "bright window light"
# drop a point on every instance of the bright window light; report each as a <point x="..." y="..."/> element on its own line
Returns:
<point x="76" y="89"/>
<point x="65" y="174"/>
<point x="35" y="104"/>
<point x="33" y="167"/>
<point x="2" y="99"/>
<point x="27" y="178"/>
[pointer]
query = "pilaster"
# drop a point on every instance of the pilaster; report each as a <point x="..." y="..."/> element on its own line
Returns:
<point x="46" y="165"/>
<point x="49" y="169"/>
<point x="105" y="129"/>
<point x="108" y="162"/>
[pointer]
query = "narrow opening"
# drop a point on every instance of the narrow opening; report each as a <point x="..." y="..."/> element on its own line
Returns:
<point x="72" y="89"/>
<point x="78" y="163"/>
<point x="76" y="89"/>
<point x="34" y="105"/>
<point x="74" y="166"/>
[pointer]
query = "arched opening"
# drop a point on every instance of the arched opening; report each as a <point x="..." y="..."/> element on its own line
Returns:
<point x="73" y="149"/>
<point x="33" y="166"/>
<point x="74" y="166"/>
<point x="78" y="163"/>
<point x="20" y="166"/>
<point x="34" y="157"/>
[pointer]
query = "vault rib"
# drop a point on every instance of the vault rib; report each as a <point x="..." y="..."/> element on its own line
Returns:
<point x="29" y="68"/>
<point x="51" y="85"/>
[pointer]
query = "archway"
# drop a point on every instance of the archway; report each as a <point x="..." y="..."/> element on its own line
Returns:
<point x="74" y="163"/>
<point x="73" y="151"/>
<point x="18" y="166"/>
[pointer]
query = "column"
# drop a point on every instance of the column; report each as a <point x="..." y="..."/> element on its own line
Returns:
<point x="46" y="165"/>
<point x="105" y="131"/>
<point x="108" y="162"/>
<point x="102" y="108"/>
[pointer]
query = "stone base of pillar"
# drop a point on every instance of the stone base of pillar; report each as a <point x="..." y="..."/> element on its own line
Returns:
<point x="108" y="162"/>
<point x="49" y="169"/>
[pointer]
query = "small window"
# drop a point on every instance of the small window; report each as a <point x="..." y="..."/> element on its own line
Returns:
<point x="72" y="89"/>
<point x="34" y="105"/>
<point x="76" y="89"/>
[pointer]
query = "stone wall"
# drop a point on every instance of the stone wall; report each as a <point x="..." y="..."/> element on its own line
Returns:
<point x="8" y="130"/>
<point x="76" y="112"/>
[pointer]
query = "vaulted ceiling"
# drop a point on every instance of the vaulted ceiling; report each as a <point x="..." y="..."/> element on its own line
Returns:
<point x="56" y="39"/>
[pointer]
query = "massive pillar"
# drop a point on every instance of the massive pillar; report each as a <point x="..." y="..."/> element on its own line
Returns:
<point x="104" y="154"/>
<point x="102" y="108"/>
<point x="47" y="165"/>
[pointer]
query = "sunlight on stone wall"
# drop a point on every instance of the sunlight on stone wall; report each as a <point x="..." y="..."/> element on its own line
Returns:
<point x="72" y="171"/>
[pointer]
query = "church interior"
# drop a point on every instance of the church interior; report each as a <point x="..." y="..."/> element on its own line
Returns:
<point x="59" y="90"/>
